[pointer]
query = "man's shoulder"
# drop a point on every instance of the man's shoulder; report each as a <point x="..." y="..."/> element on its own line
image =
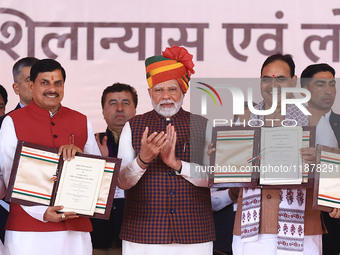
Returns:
<point x="196" y="117"/>
<point x="17" y="111"/>
<point x="334" y="120"/>
<point x="66" y="110"/>
<point x="335" y="115"/>
<point x="141" y="116"/>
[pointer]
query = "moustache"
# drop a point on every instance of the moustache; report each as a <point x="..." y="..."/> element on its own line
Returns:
<point x="167" y="102"/>
<point x="51" y="94"/>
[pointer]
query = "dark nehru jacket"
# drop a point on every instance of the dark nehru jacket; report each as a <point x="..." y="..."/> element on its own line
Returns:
<point x="34" y="124"/>
<point x="334" y="119"/>
<point x="164" y="208"/>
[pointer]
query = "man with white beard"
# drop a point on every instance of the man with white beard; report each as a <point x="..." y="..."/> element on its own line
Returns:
<point x="168" y="207"/>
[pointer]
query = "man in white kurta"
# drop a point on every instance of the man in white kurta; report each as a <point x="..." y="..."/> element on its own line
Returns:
<point x="47" y="86"/>
<point x="168" y="208"/>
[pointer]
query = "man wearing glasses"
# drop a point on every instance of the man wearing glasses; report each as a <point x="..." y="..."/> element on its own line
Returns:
<point x="278" y="220"/>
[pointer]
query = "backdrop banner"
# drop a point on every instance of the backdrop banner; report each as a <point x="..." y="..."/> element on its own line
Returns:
<point x="103" y="42"/>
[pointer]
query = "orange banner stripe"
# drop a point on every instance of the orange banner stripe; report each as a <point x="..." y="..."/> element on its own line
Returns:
<point x="335" y="198"/>
<point x="38" y="155"/>
<point x="33" y="192"/>
<point x="336" y="159"/>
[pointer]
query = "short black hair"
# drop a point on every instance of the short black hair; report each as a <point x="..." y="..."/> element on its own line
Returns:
<point x="20" y="64"/>
<point x="119" y="87"/>
<point x="311" y="70"/>
<point x="287" y="58"/>
<point x="3" y="93"/>
<point x="46" y="65"/>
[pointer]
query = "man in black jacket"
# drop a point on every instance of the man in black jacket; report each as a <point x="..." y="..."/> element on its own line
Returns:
<point x="119" y="102"/>
<point x="319" y="80"/>
<point x="21" y="76"/>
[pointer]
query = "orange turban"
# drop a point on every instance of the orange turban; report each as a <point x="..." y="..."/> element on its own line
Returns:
<point x="175" y="63"/>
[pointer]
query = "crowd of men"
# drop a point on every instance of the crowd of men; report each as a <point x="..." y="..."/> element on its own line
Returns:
<point x="161" y="206"/>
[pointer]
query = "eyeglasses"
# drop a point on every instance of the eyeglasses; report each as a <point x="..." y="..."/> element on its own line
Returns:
<point x="278" y="79"/>
<point x="171" y="90"/>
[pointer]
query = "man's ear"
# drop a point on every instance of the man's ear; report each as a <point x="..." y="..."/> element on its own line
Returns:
<point x="30" y="85"/>
<point x="294" y="81"/>
<point x="149" y="90"/>
<point x="16" y="88"/>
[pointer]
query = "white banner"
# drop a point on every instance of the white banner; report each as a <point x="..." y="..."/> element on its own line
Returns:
<point x="103" y="42"/>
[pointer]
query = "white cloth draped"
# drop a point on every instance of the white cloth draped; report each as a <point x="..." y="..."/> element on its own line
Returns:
<point x="167" y="249"/>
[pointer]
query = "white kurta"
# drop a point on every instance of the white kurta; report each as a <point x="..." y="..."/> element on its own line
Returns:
<point x="129" y="175"/>
<point x="267" y="243"/>
<point x="36" y="243"/>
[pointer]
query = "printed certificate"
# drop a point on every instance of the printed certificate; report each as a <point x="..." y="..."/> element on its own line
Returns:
<point x="79" y="184"/>
<point x="280" y="155"/>
<point x="85" y="185"/>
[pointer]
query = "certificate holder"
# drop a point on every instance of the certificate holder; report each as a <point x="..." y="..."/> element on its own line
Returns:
<point x="326" y="179"/>
<point x="235" y="157"/>
<point x="40" y="177"/>
<point x="239" y="148"/>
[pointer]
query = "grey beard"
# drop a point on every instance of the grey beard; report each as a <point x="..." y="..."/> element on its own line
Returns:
<point x="168" y="111"/>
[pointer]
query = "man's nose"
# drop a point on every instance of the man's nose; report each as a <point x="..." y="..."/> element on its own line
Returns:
<point x="166" y="94"/>
<point x="52" y="88"/>
<point x="120" y="106"/>
<point x="329" y="89"/>
<point x="274" y="84"/>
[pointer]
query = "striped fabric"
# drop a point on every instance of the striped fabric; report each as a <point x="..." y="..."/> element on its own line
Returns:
<point x="39" y="156"/>
<point x="160" y="69"/>
<point x="31" y="193"/>
<point x="329" y="166"/>
<point x="164" y="208"/>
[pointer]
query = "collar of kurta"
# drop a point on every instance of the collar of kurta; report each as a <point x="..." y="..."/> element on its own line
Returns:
<point x="40" y="111"/>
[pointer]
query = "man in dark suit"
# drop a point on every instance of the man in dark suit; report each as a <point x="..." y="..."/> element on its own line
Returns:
<point x="119" y="103"/>
<point x="21" y="76"/>
<point x="319" y="80"/>
<point x="334" y="119"/>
